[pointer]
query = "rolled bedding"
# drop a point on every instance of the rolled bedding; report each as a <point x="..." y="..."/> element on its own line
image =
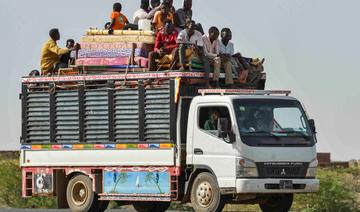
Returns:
<point x="113" y="38"/>
<point x="120" y="32"/>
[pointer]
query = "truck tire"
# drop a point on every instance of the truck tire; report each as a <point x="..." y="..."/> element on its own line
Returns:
<point x="80" y="196"/>
<point x="102" y="205"/>
<point x="144" y="206"/>
<point x="151" y="206"/>
<point x="205" y="194"/>
<point x="278" y="203"/>
<point x="161" y="206"/>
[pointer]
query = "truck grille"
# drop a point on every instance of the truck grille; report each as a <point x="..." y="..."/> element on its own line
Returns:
<point x="282" y="169"/>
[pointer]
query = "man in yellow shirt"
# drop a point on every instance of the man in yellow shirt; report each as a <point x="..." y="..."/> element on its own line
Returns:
<point x="50" y="54"/>
<point x="162" y="16"/>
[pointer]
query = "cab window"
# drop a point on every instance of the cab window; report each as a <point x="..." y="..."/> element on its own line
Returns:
<point x="209" y="116"/>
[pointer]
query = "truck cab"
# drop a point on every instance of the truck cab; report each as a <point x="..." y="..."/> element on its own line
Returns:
<point x="249" y="147"/>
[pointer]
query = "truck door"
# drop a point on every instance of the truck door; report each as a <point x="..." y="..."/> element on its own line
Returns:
<point x="211" y="151"/>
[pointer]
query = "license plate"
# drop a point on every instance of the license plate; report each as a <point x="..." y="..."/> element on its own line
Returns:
<point x="286" y="184"/>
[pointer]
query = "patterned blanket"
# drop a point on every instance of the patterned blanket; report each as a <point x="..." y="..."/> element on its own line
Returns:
<point x="119" y="61"/>
<point x="116" y="45"/>
<point x="111" y="53"/>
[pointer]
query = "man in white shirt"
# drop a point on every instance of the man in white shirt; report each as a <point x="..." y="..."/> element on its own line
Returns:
<point x="142" y="13"/>
<point x="227" y="53"/>
<point x="191" y="38"/>
<point x="211" y="48"/>
<point x="145" y="12"/>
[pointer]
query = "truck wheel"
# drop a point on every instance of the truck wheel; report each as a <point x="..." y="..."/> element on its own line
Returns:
<point x="144" y="206"/>
<point x="79" y="194"/>
<point x="205" y="194"/>
<point x="161" y="206"/>
<point x="102" y="205"/>
<point x="278" y="203"/>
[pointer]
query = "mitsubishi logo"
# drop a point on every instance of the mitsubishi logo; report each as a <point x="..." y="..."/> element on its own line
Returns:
<point x="283" y="172"/>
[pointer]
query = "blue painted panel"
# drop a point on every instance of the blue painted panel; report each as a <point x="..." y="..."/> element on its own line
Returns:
<point x="136" y="182"/>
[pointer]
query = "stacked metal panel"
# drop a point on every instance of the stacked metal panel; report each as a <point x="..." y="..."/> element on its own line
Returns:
<point x="38" y="118"/>
<point x="126" y="115"/>
<point x="67" y="117"/>
<point x="157" y="114"/>
<point x="96" y="116"/>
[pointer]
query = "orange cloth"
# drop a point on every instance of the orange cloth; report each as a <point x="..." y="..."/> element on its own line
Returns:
<point x="120" y="20"/>
<point x="159" y="23"/>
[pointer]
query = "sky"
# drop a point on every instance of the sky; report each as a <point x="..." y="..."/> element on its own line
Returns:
<point x="311" y="48"/>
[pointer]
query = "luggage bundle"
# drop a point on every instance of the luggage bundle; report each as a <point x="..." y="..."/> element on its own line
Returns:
<point x="121" y="49"/>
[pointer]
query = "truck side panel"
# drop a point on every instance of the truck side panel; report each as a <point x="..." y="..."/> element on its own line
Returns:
<point x="99" y="114"/>
<point x="126" y="157"/>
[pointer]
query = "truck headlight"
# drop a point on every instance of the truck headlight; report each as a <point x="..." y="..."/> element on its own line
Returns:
<point x="311" y="172"/>
<point x="246" y="168"/>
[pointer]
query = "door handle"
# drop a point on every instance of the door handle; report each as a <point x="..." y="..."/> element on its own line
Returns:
<point x="198" y="151"/>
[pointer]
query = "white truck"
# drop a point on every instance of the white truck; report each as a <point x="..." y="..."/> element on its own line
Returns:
<point x="90" y="139"/>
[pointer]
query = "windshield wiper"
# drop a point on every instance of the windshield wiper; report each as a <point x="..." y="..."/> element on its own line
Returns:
<point x="264" y="132"/>
<point x="305" y="136"/>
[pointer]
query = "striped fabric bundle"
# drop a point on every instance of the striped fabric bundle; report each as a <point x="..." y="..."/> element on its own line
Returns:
<point x="116" y="45"/>
<point x="120" y="32"/>
<point x="111" y="53"/>
<point x="119" y="61"/>
<point x="113" y="38"/>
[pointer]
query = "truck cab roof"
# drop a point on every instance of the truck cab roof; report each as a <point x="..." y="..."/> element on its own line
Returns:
<point x="222" y="95"/>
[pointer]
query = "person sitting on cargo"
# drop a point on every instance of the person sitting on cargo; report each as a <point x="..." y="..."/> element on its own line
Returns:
<point x="211" y="48"/>
<point x="50" y="54"/>
<point x="189" y="38"/>
<point x="155" y="7"/>
<point x="142" y="13"/>
<point x="68" y="58"/>
<point x="162" y="16"/>
<point x="118" y="20"/>
<point x="227" y="53"/>
<point x="211" y="123"/>
<point x="165" y="44"/>
<point x="172" y="8"/>
<point x="184" y="14"/>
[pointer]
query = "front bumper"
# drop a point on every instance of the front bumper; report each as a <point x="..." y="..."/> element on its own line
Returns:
<point x="273" y="186"/>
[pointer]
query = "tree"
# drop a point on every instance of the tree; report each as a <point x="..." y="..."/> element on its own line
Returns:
<point x="122" y="178"/>
<point x="152" y="177"/>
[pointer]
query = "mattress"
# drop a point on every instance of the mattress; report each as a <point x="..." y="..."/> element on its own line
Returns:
<point x="115" y="45"/>
<point x="114" y="38"/>
<point x="111" y="67"/>
<point x="120" y="32"/>
<point x="119" y="61"/>
<point x="111" y="53"/>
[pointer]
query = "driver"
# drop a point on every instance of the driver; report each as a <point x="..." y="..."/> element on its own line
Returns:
<point x="259" y="120"/>
<point x="211" y="123"/>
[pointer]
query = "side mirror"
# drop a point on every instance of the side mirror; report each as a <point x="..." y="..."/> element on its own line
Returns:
<point x="224" y="131"/>
<point x="312" y="125"/>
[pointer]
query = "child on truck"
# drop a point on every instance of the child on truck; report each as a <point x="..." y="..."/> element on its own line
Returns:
<point x="118" y="20"/>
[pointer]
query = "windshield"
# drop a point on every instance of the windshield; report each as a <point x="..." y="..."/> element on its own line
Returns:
<point x="272" y="122"/>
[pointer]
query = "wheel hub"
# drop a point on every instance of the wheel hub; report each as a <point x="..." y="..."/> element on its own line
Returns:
<point x="204" y="194"/>
<point x="79" y="193"/>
